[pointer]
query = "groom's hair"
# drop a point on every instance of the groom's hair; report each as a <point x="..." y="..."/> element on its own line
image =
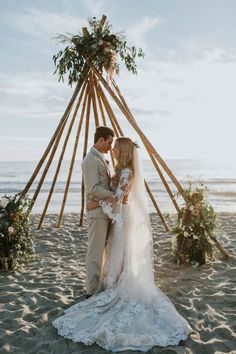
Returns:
<point x="103" y="132"/>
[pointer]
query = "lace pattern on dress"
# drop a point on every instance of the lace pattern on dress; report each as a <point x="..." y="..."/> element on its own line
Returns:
<point x="114" y="213"/>
<point x="117" y="324"/>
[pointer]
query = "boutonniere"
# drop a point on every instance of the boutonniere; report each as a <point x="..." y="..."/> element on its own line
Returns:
<point x="107" y="162"/>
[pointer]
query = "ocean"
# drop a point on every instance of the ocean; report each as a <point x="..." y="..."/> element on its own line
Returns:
<point x="219" y="178"/>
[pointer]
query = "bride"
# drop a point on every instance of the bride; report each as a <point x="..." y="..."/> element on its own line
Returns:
<point x="131" y="313"/>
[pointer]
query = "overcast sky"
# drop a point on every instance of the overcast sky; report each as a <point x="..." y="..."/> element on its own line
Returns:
<point x="184" y="96"/>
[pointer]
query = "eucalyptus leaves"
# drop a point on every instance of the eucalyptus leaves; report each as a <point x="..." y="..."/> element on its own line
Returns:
<point x="99" y="47"/>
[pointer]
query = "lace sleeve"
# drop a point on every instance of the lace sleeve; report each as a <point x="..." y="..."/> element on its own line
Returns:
<point x="123" y="184"/>
<point x="114" y="212"/>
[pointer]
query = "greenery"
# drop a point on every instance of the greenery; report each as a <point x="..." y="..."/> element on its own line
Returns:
<point x="100" y="47"/>
<point x="196" y="224"/>
<point x="16" y="245"/>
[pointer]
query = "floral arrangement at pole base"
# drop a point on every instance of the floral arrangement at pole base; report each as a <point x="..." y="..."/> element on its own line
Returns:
<point x="16" y="245"/>
<point x="98" y="45"/>
<point x="195" y="228"/>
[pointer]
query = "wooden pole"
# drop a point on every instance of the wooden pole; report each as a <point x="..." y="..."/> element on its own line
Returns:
<point x="85" y="31"/>
<point x="100" y="104"/>
<point x="164" y="182"/>
<point x="73" y="159"/>
<point x="95" y="111"/>
<point x="114" y="122"/>
<point x="84" y="153"/>
<point x="156" y="206"/>
<point x="102" y="112"/>
<point x="64" y="117"/>
<point x="103" y="20"/>
<point x="55" y="146"/>
<point x="120" y="96"/>
<point x="220" y="247"/>
<point x="111" y="120"/>
<point x="62" y="155"/>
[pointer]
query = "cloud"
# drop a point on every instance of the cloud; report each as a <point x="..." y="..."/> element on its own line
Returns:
<point x="32" y="94"/>
<point x="217" y="54"/>
<point x="22" y="138"/>
<point x="43" y="24"/>
<point x="137" y="33"/>
<point x="191" y="49"/>
<point x="139" y="111"/>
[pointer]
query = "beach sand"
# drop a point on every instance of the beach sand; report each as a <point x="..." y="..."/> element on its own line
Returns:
<point x="31" y="298"/>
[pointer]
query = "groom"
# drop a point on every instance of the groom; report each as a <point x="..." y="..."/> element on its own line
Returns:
<point x="97" y="178"/>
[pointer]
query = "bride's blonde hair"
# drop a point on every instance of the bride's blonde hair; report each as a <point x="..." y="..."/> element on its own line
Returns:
<point x="125" y="158"/>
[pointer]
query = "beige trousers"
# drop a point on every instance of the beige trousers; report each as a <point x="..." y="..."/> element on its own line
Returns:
<point x="98" y="229"/>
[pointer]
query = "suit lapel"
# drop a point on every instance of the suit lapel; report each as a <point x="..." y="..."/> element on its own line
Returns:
<point x="95" y="152"/>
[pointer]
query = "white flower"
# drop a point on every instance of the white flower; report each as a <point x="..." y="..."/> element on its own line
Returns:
<point x="3" y="203"/>
<point x="191" y="208"/>
<point x="100" y="42"/>
<point x="185" y="234"/>
<point x="195" y="237"/>
<point x="11" y="230"/>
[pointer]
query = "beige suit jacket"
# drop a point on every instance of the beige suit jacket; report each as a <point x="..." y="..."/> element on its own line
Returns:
<point x="97" y="178"/>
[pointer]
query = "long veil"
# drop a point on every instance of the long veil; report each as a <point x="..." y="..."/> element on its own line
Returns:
<point x="137" y="281"/>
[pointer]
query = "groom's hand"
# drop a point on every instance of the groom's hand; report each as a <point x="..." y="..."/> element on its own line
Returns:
<point x="111" y="200"/>
<point x="91" y="205"/>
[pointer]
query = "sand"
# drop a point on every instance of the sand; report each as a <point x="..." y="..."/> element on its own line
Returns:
<point x="38" y="293"/>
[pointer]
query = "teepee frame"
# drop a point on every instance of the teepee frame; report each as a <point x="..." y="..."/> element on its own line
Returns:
<point x="90" y="94"/>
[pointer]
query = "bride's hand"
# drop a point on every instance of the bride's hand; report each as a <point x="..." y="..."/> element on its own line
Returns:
<point x="91" y="205"/>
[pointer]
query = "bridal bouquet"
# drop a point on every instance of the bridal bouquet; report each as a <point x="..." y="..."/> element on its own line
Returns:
<point x="195" y="226"/>
<point x="100" y="46"/>
<point x="16" y="245"/>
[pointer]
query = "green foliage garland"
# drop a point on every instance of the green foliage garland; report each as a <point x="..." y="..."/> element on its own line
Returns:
<point x="100" y="46"/>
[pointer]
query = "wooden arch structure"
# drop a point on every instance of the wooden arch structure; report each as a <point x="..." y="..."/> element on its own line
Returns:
<point x="91" y="98"/>
<point x="91" y="95"/>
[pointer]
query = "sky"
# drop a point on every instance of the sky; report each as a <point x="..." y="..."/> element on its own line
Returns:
<point x="183" y="97"/>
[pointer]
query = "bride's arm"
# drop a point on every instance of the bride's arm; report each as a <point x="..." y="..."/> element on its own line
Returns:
<point x="109" y="204"/>
<point x="120" y="191"/>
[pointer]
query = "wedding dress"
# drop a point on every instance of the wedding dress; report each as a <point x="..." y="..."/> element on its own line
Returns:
<point x="131" y="313"/>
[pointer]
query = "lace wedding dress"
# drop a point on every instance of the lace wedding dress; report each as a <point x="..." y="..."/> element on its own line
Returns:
<point x="132" y="313"/>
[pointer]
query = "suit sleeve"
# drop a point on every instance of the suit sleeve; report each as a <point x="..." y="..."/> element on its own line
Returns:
<point x="91" y="180"/>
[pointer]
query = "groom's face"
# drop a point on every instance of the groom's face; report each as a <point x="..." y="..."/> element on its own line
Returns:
<point x="107" y="144"/>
